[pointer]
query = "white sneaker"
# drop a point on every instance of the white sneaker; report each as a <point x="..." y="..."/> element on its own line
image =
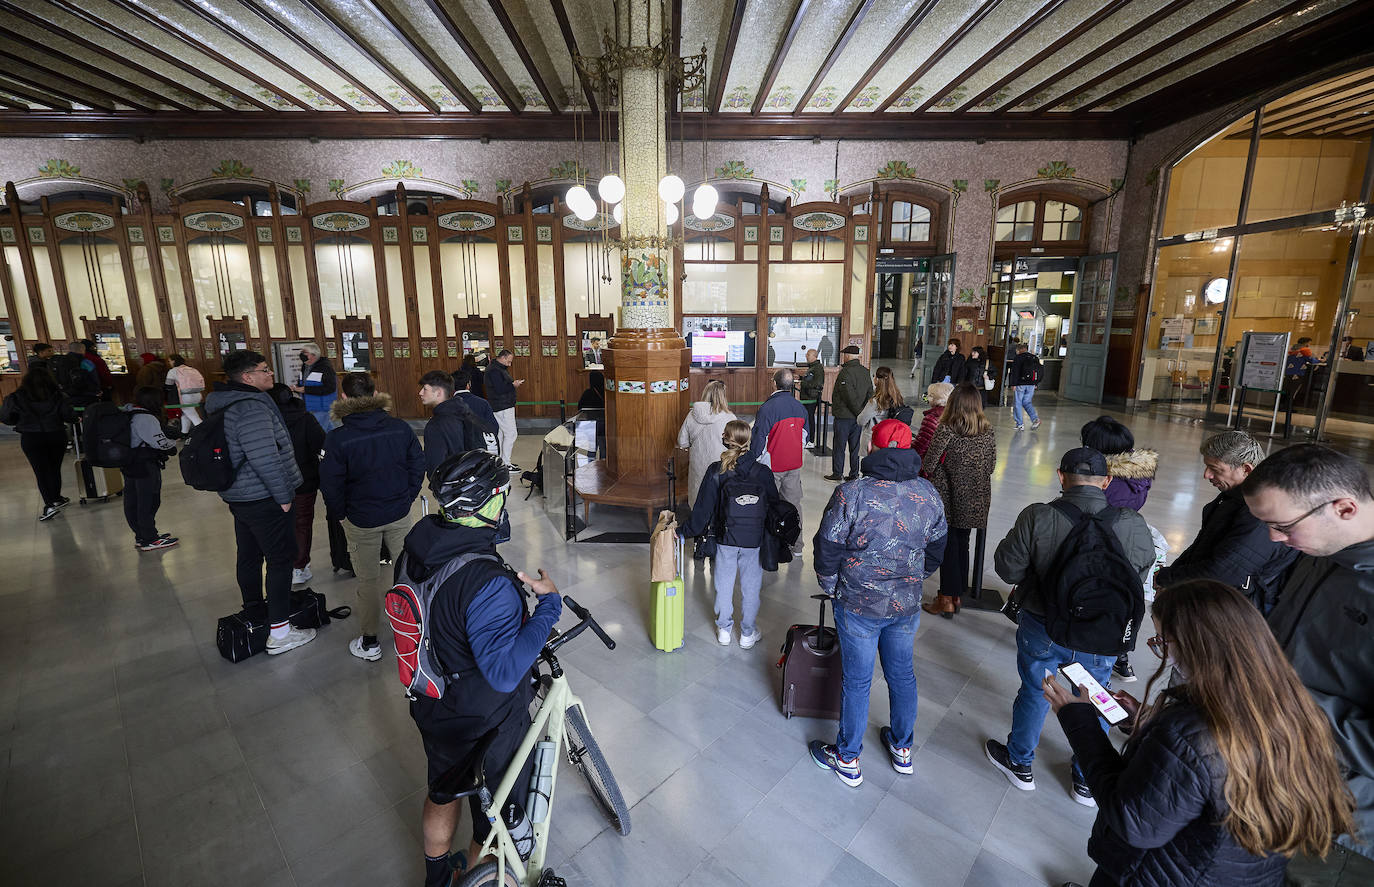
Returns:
<point x="748" y="640"/>
<point x="301" y="576"/>
<point x="723" y="636"/>
<point x="293" y="638"/>
<point x="371" y="654"/>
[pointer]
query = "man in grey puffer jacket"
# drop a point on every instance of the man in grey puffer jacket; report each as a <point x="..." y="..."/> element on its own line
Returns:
<point x="265" y="481"/>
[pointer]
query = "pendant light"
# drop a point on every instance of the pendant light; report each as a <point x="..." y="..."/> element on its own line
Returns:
<point x="671" y="189"/>
<point x="611" y="188"/>
<point x="705" y="201"/>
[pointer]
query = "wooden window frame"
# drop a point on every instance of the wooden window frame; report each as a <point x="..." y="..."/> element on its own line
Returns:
<point x="1039" y="243"/>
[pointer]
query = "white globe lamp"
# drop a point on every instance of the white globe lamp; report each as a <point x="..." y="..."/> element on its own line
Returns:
<point x="618" y="213"/>
<point x="611" y="188"/>
<point x="671" y="189"/>
<point x="669" y="213"/>
<point x="579" y="196"/>
<point x="585" y="210"/>
<point x="705" y="201"/>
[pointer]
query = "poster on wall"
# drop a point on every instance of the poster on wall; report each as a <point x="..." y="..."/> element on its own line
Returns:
<point x="232" y="341"/>
<point x="110" y="346"/>
<point x="356" y="354"/>
<point x="478" y="345"/>
<point x="1173" y="329"/>
<point x="593" y="341"/>
<point x="1262" y="359"/>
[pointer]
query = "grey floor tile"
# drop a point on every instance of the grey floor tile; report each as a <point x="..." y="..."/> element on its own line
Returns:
<point x="711" y="872"/>
<point x="180" y="768"/>
<point x="850" y="872"/>
<point x="109" y="856"/>
<point x="656" y="851"/>
<point x="796" y="855"/>
<point x="703" y="801"/>
<point x="380" y="850"/>
<point x="318" y="815"/>
<point x="1049" y="847"/>
<point x="907" y="846"/>
<point x="826" y="805"/>
<point x="399" y="770"/>
<point x="697" y="716"/>
<point x="642" y="755"/>
<point x="756" y="752"/>
<point x="963" y="800"/>
<point x="991" y="870"/>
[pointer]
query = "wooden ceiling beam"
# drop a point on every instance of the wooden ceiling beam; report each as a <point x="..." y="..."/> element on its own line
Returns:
<point x="346" y="34"/>
<point x="405" y="32"/>
<point x="950" y="42"/>
<point x="13" y="105"/>
<point x="68" y="82"/>
<point x="64" y="94"/>
<point x="1280" y="111"/>
<point x="831" y="57"/>
<point x="1121" y="39"/>
<point x="560" y="12"/>
<point x="150" y="48"/>
<point x="510" y="126"/>
<point x="1059" y="43"/>
<point x="352" y="79"/>
<point x="1154" y="73"/>
<point x="13" y="86"/>
<point x="780" y="53"/>
<point x="727" y="58"/>
<point x="513" y="34"/>
<point x="1015" y="34"/>
<point x="179" y="34"/>
<point x="886" y="55"/>
<point x="254" y="47"/>
<point x="19" y="40"/>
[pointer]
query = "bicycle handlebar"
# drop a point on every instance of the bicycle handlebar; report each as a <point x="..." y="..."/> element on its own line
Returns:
<point x="585" y="621"/>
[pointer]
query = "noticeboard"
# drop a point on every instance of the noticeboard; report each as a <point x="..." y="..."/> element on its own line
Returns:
<point x="1262" y="356"/>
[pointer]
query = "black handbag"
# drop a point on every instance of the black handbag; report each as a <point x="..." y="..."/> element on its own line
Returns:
<point x="309" y="610"/>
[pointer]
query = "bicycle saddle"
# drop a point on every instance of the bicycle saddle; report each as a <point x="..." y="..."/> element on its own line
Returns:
<point x="467" y="777"/>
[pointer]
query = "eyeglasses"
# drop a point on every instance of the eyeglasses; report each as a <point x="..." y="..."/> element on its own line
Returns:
<point x="267" y="370"/>
<point x="1287" y="528"/>
<point x="1158" y="646"/>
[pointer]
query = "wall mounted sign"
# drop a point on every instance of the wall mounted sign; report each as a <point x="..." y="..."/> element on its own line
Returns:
<point x="340" y="221"/>
<point x="1263" y="356"/>
<point x="212" y="222"/>
<point x="465" y="220"/>
<point x="717" y="222"/>
<point x="85" y="222"/>
<point x="818" y="221"/>
<point x="900" y="265"/>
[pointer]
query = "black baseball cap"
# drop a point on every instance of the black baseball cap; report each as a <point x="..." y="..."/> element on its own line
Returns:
<point x="850" y="349"/>
<point x="1084" y="461"/>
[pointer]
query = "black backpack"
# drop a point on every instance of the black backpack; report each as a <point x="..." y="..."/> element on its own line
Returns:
<point x="1094" y="599"/>
<point x="742" y="502"/>
<point x="205" y="463"/>
<point x="1030" y="371"/>
<point x="107" y="435"/>
<point x="71" y="378"/>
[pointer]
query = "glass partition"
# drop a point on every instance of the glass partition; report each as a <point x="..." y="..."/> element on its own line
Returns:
<point x="806" y="288"/>
<point x="591" y="280"/>
<point x="47" y="291"/>
<point x="147" y="295"/>
<point x="176" y="299"/>
<point x="9" y="356"/>
<point x="424" y="291"/>
<point x="395" y="290"/>
<point x="723" y="288"/>
<point x="93" y="271"/>
<point x="548" y="299"/>
<point x="348" y="279"/>
<point x="300" y="291"/>
<point x="271" y="291"/>
<point x="1294" y="176"/>
<point x="1205" y="186"/>
<point x="472" y="279"/>
<point x="858" y="289"/>
<point x="23" y="308"/>
<point x="519" y="292"/>
<point x="1190" y="289"/>
<point x="222" y="281"/>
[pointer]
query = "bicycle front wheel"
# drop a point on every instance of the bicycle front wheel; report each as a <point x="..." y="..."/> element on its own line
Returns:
<point x="586" y="756"/>
<point x="486" y="875"/>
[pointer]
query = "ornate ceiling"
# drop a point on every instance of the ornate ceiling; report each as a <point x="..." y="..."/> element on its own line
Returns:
<point x="503" y="68"/>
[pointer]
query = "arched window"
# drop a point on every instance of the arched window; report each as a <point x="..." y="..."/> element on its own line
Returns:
<point x="1016" y="222"/>
<point x="252" y="197"/>
<point x="1063" y="221"/>
<point x="1041" y="220"/>
<point x="910" y="222"/>
<point x="417" y="202"/>
<point x="907" y="220"/>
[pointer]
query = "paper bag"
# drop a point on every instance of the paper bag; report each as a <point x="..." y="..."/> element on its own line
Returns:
<point x="663" y="549"/>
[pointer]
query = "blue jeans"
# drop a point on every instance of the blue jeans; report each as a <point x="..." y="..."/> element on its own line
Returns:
<point x="744" y="562"/>
<point x="1035" y="655"/>
<point x="323" y="417"/>
<point x="847" y="434"/>
<point x="891" y="640"/>
<point x="1021" y="400"/>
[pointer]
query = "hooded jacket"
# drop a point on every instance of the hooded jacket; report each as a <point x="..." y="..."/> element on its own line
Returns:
<point x="259" y="445"/>
<point x="457" y="426"/>
<point x="373" y="466"/>
<point x="951" y="365"/>
<point x="1233" y="546"/>
<point x="881" y="536"/>
<point x="853" y="388"/>
<point x="960" y="468"/>
<point x="704" y="506"/>
<point x="1161" y="803"/>
<point x="29" y="416"/>
<point x="700" y="433"/>
<point x="500" y="387"/>
<point x="307" y="437"/>
<point x="1324" y="620"/>
<point x="321" y="392"/>
<point x="1132" y="473"/>
<point x="780" y="429"/>
<point x="1030" y="549"/>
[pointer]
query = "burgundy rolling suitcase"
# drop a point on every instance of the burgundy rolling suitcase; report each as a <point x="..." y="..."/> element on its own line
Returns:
<point x="811" y="672"/>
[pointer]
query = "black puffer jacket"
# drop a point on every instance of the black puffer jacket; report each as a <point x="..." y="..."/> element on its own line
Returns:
<point x="29" y="416"/>
<point x="951" y="365"/>
<point x="1234" y="547"/>
<point x="307" y="437"/>
<point x="1161" y="803"/>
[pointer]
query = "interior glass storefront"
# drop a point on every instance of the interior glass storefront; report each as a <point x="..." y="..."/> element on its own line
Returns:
<point x="1265" y="229"/>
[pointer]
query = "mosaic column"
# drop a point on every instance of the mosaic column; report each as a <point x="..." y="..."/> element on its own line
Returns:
<point x="647" y="360"/>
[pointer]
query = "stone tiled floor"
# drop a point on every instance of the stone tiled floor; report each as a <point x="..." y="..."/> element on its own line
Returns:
<point x="132" y="754"/>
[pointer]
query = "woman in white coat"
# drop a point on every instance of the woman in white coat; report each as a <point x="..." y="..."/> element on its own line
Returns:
<point x="701" y="433"/>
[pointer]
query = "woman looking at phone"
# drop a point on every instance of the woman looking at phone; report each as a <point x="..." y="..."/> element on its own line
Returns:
<point x="1227" y="774"/>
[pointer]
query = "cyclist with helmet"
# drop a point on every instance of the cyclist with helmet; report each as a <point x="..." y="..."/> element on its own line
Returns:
<point x="482" y="631"/>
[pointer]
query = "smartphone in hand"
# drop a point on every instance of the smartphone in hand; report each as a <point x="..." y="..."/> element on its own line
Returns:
<point x="1101" y="700"/>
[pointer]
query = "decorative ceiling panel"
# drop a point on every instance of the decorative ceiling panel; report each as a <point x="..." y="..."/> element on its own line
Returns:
<point x="943" y="20"/>
<point x="705" y="23"/>
<point x="1070" y="93"/>
<point x="80" y="95"/>
<point x="820" y="27"/>
<point x="538" y="27"/>
<point x="36" y="67"/>
<point x="765" y="23"/>
<point x="488" y="33"/>
<point x="589" y="19"/>
<point x="882" y="21"/>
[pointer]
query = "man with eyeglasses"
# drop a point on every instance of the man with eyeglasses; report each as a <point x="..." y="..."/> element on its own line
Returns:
<point x="265" y="481"/>
<point x="1319" y="501"/>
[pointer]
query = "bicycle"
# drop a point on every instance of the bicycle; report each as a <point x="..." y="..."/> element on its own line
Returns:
<point x="558" y="719"/>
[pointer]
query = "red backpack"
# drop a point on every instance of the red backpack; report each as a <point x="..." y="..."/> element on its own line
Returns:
<point x="409" y="606"/>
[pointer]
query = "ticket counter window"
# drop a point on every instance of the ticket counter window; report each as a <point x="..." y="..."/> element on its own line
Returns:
<point x="110" y="347"/>
<point x="356" y="357"/>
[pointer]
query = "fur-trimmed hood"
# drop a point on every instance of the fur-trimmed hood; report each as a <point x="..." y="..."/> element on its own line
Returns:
<point x="1133" y="465"/>
<point x="351" y="406"/>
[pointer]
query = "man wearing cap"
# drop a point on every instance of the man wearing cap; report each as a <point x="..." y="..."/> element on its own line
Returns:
<point x="853" y="388"/>
<point x="880" y="537"/>
<point x="1029" y="551"/>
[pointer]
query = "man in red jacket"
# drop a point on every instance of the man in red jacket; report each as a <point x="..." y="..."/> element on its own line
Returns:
<point x="781" y="429"/>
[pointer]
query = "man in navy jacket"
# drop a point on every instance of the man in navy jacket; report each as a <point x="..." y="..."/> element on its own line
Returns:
<point x="372" y="471"/>
<point x="781" y="429"/>
<point x="501" y="395"/>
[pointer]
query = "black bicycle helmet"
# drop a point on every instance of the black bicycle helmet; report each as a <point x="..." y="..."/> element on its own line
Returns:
<point x="464" y="482"/>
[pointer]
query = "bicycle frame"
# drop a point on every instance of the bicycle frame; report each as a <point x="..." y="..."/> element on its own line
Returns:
<point x="547" y="725"/>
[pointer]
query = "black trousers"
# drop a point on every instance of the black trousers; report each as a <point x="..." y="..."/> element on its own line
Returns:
<point x="142" y="498"/>
<point x="265" y="534"/>
<point x="44" y="450"/>
<point x="847" y="436"/>
<point x="811" y="420"/>
<point x="954" y="568"/>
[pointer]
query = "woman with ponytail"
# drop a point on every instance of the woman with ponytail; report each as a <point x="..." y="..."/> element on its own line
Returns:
<point x="1228" y="773"/>
<point x="732" y="506"/>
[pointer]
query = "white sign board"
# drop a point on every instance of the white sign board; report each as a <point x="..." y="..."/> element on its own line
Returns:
<point x="289" y="361"/>
<point x="1173" y="329"/>
<point x="1262" y="357"/>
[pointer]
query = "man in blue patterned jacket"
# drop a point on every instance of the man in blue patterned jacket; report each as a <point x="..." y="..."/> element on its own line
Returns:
<point x="881" y="536"/>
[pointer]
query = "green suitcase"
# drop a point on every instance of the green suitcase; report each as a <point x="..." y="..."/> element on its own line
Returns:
<point x="670" y="609"/>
